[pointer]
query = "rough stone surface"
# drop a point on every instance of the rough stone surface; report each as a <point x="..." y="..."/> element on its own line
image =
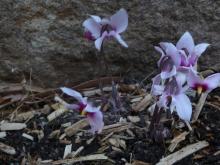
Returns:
<point x="44" y="38"/>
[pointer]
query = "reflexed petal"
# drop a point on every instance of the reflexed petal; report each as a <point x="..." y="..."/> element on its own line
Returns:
<point x="164" y="45"/>
<point x="173" y="53"/>
<point x="96" y="18"/>
<point x="120" y="40"/>
<point x="96" y="121"/>
<point x="157" y="90"/>
<point x="157" y="48"/>
<point x="99" y="41"/>
<point x="193" y="79"/>
<point x="186" y="41"/>
<point x="200" y="48"/>
<point x="181" y="78"/>
<point x="212" y="81"/>
<point x="72" y="93"/>
<point x="166" y="74"/>
<point x="92" y="26"/>
<point x="119" y="20"/>
<point x="183" y="106"/>
<point x="72" y="106"/>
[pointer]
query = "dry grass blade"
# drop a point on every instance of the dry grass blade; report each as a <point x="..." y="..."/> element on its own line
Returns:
<point x="182" y="153"/>
<point x="82" y="159"/>
<point x="7" y="149"/>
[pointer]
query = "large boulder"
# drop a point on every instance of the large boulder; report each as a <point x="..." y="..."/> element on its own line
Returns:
<point x="44" y="38"/>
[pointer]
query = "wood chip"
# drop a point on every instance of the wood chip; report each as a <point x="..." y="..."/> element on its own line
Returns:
<point x="82" y="159"/>
<point x="134" y="119"/>
<point x="28" y="136"/>
<point x="138" y="162"/>
<point x="182" y="153"/>
<point x="7" y="149"/>
<point x="2" y="134"/>
<point x="76" y="153"/>
<point x="67" y="151"/>
<point x="24" y="116"/>
<point x="176" y="140"/>
<point x="118" y="127"/>
<point x="144" y="103"/>
<point x="69" y="131"/>
<point x="58" y="112"/>
<point x="12" y="126"/>
<point x="93" y="92"/>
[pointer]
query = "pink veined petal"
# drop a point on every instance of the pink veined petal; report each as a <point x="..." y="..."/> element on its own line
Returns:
<point x="165" y="75"/>
<point x="157" y="90"/>
<point x="193" y="79"/>
<point x="212" y="81"/>
<point x="119" y="20"/>
<point x="186" y="41"/>
<point x="183" y="106"/>
<point x="96" y="18"/>
<point x="93" y="26"/>
<point x="96" y="121"/>
<point x="99" y="41"/>
<point x="72" y="93"/>
<point x="200" y="48"/>
<point x="119" y="39"/>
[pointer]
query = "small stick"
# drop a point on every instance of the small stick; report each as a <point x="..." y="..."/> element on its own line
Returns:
<point x="7" y="149"/>
<point x="200" y="105"/>
<point x="189" y="126"/>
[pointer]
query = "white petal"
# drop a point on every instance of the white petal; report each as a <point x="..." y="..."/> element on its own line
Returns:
<point x="91" y="108"/>
<point x="157" y="48"/>
<point x="96" y="18"/>
<point x="119" y="20"/>
<point x="99" y="41"/>
<point x="92" y="26"/>
<point x="212" y="81"/>
<point x="120" y="40"/>
<point x="186" y="41"/>
<point x="165" y="75"/>
<point x="96" y="122"/>
<point x="183" y="106"/>
<point x="193" y="78"/>
<point x="172" y="51"/>
<point x="200" y="48"/>
<point x="72" y="93"/>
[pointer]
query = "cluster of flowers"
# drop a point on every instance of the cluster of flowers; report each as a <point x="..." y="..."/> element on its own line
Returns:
<point x="178" y="66"/>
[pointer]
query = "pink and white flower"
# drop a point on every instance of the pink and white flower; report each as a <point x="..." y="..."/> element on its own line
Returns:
<point x="97" y="29"/>
<point x="189" y="51"/>
<point x="93" y="114"/>
<point x="174" y="98"/>
<point x="203" y="85"/>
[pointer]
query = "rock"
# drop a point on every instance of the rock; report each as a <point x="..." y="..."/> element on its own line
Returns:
<point x="44" y="38"/>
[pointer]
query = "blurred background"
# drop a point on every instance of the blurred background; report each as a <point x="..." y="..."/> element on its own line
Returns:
<point x="43" y="40"/>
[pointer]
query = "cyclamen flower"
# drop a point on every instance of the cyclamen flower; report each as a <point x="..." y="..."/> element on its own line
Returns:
<point x="97" y="29"/>
<point x="93" y="114"/>
<point x="203" y="85"/>
<point x="189" y="52"/>
<point x="174" y="98"/>
<point x="169" y="60"/>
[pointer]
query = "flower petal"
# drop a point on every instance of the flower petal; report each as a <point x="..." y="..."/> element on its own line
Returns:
<point x="119" y="20"/>
<point x="212" y="81"/>
<point x="193" y="79"/>
<point x="168" y="74"/>
<point x="119" y="39"/>
<point x="157" y="48"/>
<point x="93" y="26"/>
<point x="200" y="48"/>
<point x="90" y="108"/>
<point x="183" y="106"/>
<point x="96" y="121"/>
<point x="96" y="18"/>
<point x="172" y="51"/>
<point x="99" y="41"/>
<point x="72" y="93"/>
<point x="186" y="41"/>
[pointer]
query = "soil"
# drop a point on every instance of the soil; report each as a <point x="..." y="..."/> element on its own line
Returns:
<point x="139" y="146"/>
